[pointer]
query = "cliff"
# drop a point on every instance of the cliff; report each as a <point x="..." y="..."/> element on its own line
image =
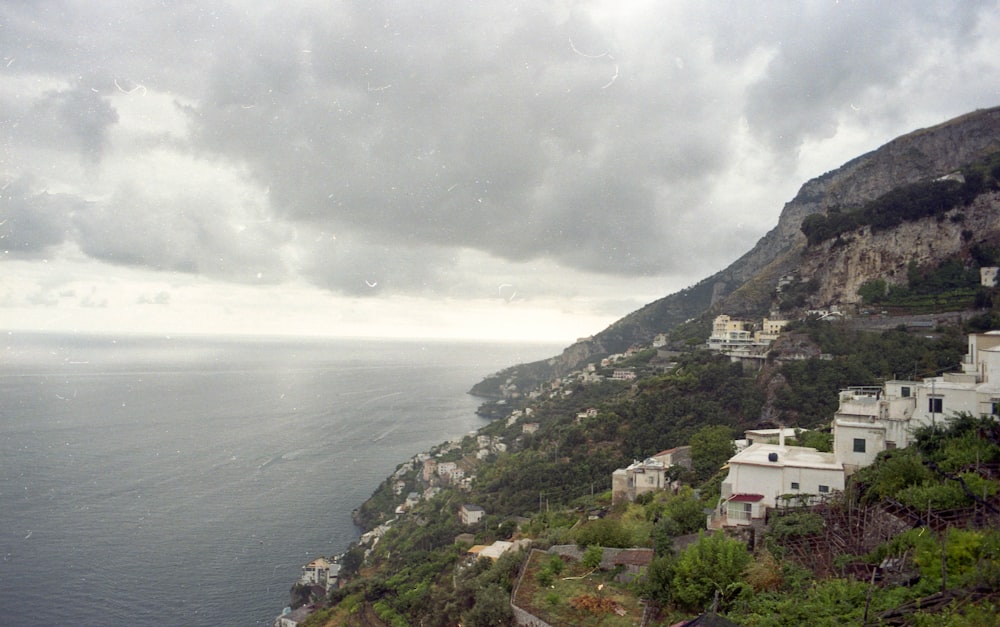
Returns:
<point x="747" y="285"/>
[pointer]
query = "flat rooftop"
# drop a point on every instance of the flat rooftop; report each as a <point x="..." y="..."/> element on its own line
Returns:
<point x="794" y="456"/>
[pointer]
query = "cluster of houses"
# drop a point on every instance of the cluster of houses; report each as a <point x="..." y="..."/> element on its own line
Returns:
<point x="868" y="421"/>
<point x="768" y="472"/>
<point x="743" y="338"/>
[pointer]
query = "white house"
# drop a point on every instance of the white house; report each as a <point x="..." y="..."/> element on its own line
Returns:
<point x="321" y="572"/>
<point x="872" y="419"/>
<point x="623" y="374"/>
<point x="648" y="475"/>
<point x="988" y="276"/>
<point x="772" y="470"/>
<point x="470" y="514"/>
<point x="450" y="471"/>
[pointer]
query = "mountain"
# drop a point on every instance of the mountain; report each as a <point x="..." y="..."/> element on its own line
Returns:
<point x="837" y="266"/>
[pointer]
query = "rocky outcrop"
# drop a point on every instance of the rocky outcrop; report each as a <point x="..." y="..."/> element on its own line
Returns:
<point x="920" y="155"/>
<point x="842" y="266"/>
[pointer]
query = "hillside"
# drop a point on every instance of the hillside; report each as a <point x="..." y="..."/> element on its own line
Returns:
<point x="548" y="486"/>
<point x="747" y="285"/>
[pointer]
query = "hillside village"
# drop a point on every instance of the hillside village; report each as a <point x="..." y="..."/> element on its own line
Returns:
<point x="766" y="473"/>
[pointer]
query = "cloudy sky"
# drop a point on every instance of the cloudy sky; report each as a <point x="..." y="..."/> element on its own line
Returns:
<point x="528" y="170"/>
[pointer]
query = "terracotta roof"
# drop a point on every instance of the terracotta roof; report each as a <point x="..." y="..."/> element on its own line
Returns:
<point x="747" y="498"/>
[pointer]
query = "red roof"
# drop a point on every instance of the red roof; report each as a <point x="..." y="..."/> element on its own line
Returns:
<point x="746" y="498"/>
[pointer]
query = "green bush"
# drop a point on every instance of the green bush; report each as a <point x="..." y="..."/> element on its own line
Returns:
<point x="796" y="524"/>
<point x="712" y="565"/>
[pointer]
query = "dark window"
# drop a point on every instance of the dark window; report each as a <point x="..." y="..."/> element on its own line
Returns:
<point x="795" y="485"/>
<point x="995" y="408"/>
<point x="823" y="489"/>
<point x="859" y="445"/>
<point x="889" y="445"/>
<point x="904" y="391"/>
<point x="935" y="404"/>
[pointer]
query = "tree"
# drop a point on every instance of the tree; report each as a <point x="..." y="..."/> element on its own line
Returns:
<point x="872" y="291"/>
<point x="593" y="556"/>
<point x="711" y="447"/>
<point x="658" y="583"/>
<point x="819" y="440"/>
<point x="711" y="566"/>
<point x="686" y="512"/>
<point x="492" y="607"/>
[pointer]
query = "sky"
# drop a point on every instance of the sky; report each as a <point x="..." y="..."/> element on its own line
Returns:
<point x="468" y="169"/>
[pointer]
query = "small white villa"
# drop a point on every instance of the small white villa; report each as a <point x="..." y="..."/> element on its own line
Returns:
<point x="470" y="514"/>
<point x="761" y="473"/>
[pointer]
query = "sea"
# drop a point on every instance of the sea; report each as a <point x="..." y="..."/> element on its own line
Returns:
<point x="185" y="481"/>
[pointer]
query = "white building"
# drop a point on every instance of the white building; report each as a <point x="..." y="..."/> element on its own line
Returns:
<point x="470" y="514"/>
<point x="321" y="572"/>
<point x="988" y="276"/>
<point x="762" y="473"/>
<point x="871" y="420"/>
<point x="868" y="421"/>
<point x="648" y="475"/>
<point x="733" y="336"/>
<point x="729" y="334"/>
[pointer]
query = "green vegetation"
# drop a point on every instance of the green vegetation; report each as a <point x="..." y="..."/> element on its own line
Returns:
<point x="710" y="569"/>
<point x="947" y="286"/>
<point x="907" y="203"/>
<point x="558" y="479"/>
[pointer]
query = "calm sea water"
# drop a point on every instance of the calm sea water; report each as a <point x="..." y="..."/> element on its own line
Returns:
<point x="164" y="481"/>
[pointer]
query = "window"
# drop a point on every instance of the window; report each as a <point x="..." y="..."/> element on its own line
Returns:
<point x="904" y="391"/>
<point x="935" y="404"/>
<point x="795" y="485"/>
<point x="824" y="489"/>
<point x="889" y="445"/>
<point x="859" y="445"/>
<point x="995" y="407"/>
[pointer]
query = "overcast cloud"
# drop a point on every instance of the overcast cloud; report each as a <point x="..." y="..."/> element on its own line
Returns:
<point x="439" y="168"/>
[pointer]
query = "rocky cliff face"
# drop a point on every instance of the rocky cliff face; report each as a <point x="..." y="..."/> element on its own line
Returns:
<point x="841" y="267"/>
<point x="747" y="285"/>
<point x="920" y="155"/>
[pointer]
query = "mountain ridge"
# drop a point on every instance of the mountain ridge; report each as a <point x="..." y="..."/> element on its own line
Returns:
<point x="746" y="286"/>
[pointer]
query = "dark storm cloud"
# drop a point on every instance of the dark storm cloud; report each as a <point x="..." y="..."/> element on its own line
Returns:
<point x="493" y="131"/>
<point x="392" y="134"/>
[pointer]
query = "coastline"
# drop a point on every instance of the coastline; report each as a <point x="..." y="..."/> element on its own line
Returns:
<point x="368" y="534"/>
